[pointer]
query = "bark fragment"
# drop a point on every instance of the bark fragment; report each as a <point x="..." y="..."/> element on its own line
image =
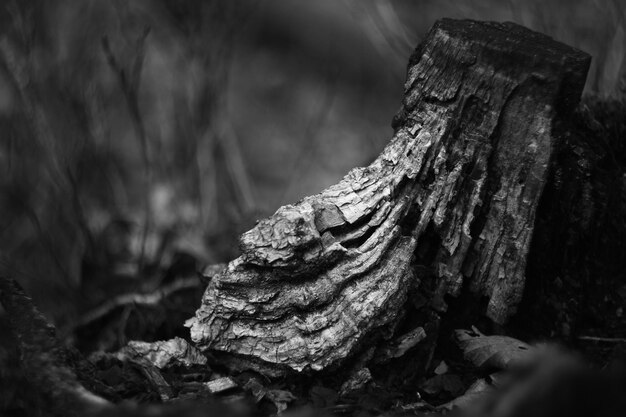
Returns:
<point x="219" y="385"/>
<point x="455" y="191"/>
<point x="163" y="354"/>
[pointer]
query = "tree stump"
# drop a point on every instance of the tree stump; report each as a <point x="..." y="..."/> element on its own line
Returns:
<point x="453" y="195"/>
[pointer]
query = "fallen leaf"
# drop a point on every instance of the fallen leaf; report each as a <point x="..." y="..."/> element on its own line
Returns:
<point x="441" y="369"/>
<point x="500" y="378"/>
<point x="492" y="352"/>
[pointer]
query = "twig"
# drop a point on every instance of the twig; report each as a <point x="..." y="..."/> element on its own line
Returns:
<point x="603" y="339"/>
<point x="126" y="300"/>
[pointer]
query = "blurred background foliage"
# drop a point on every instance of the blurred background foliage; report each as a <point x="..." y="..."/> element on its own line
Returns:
<point x="136" y="135"/>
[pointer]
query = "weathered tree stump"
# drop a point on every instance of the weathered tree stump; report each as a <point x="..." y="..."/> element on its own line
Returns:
<point x="454" y="193"/>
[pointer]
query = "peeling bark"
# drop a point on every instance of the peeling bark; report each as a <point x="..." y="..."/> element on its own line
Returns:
<point x="455" y="191"/>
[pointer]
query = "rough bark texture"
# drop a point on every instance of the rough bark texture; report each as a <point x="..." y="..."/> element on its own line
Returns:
<point x="455" y="191"/>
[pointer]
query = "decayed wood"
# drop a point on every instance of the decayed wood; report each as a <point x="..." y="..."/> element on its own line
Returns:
<point x="219" y="385"/>
<point x="162" y="354"/>
<point x="455" y="191"/>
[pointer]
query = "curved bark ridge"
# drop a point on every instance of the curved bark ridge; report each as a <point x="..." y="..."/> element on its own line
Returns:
<point x="325" y="278"/>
